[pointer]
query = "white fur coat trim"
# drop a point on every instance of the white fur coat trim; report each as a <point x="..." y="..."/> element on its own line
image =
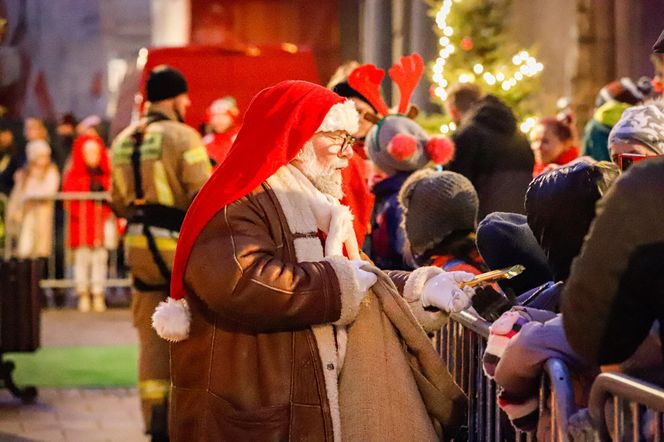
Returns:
<point x="350" y="305"/>
<point x="412" y="293"/>
<point x="305" y="213"/>
<point x="341" y="116"/>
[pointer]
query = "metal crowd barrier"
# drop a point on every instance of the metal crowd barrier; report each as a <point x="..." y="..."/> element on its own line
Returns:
<point x="59" y="268"/>
<point x="461" y="343"/>
<point x="627" y="409"/>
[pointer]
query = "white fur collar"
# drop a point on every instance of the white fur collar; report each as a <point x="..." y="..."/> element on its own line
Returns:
<point x="329" y="215"/>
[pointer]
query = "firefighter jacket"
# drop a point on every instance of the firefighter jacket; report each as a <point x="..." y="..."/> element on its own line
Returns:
<point x="173" y="166"/>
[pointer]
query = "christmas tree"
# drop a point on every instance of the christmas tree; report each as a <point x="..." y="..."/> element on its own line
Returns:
<point x="475" y="47"/>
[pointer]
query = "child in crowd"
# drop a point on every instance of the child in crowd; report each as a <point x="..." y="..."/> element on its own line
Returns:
<point x="31" y="218"/>
<point x="439" y="218"/>
<point x="222" y="128"/>
<point x="439" y="221"/>
<point x="89" y="172"/>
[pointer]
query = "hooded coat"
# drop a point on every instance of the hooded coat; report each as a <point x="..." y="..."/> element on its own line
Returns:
<point x="495" y="156"/>
<point x="87" y="218"/>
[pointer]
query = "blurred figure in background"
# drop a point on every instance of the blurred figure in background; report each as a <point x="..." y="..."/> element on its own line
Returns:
<point x="88" y="126"/>
<point x="31" y="218"/>
<point x="9" y="159"/>
<point x="490" y="150"/>
<point x="66" y="133"/>
<point x="89" y="172"/>
<point x="222" y="128"/>
<point x="553" y="144"/>
<point x="159" y="164"/>
<point x="610" y="103"/>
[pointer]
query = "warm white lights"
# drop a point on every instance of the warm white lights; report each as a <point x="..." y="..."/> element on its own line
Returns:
<point x="523" y="66"/>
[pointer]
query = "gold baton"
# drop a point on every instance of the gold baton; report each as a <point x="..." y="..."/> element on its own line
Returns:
<point x="493" y="276"/>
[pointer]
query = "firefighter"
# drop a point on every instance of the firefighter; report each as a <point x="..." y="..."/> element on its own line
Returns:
<point x="158" y="166"/>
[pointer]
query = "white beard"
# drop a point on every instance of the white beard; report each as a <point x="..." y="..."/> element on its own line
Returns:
<point x="326" y="179"/>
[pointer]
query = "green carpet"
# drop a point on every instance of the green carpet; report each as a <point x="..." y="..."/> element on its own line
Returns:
<point x="109" y="366"/>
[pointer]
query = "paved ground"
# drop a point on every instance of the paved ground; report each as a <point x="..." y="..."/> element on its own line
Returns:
<point x="110" y="414"/>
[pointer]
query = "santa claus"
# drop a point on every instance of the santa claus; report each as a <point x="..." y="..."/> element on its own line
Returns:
<point x="280" y="329"/>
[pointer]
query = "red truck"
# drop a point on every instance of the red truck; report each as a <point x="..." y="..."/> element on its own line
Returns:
<point x="214" y="72"/>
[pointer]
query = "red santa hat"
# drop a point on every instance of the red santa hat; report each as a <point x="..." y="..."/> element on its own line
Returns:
<point x="277" y="124"/>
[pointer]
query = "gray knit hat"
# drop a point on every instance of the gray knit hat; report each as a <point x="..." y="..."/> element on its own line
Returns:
<point x="435" y="204"/>
<point x="641" y="124"/>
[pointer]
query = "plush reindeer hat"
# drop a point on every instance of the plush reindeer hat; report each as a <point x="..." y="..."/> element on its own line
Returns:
<point x="397" y="143"/>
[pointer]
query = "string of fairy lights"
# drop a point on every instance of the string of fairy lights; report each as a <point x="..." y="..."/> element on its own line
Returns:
<point x="523" y="66"/>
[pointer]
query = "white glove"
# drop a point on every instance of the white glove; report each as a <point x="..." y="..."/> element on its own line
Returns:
<point x="365" y="279"/>
<point x="442" y="291"/>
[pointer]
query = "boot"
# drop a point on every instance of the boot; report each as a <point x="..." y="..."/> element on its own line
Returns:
<point x="84" y="302"/>
<point x="159" y="423"/>
<point x="99" y="303"/>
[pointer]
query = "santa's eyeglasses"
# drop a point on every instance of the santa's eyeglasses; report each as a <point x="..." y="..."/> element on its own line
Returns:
<point x="345" y="141"/>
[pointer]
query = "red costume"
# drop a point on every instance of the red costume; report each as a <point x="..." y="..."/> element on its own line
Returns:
<point x="86" y="218"/>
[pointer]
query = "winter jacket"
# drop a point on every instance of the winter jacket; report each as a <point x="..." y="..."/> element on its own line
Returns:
<point x="87" y="218"/>
<point x="174" y="166"/>
<point x="495" y="156"/>
<point x="616" y="287"/>
<point x="596" y="132"/>
<point x="387" y="238"/>
<point x="174" y="163"/>
<point x="520" y="367"/>
<point x="262" y="360"/>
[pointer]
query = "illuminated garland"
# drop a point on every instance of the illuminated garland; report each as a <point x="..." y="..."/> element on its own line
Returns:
<point x="506" y="77"/>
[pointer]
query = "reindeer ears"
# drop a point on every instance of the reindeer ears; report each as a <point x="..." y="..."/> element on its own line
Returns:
<point x="366" y="80"/>
<point x="406" y="74"/>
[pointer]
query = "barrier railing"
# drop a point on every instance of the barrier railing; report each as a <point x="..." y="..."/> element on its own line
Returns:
<point x="461" y="343"/>
<point x="60" y="262"/>
<point x="627" y="409"/>
<point x="557" y="398"/>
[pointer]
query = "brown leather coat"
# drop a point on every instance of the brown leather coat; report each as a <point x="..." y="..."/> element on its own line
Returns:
<point x="250" y="369"/>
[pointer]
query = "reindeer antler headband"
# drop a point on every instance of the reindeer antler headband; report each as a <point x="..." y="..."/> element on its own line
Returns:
<point x="406" y="74"/>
